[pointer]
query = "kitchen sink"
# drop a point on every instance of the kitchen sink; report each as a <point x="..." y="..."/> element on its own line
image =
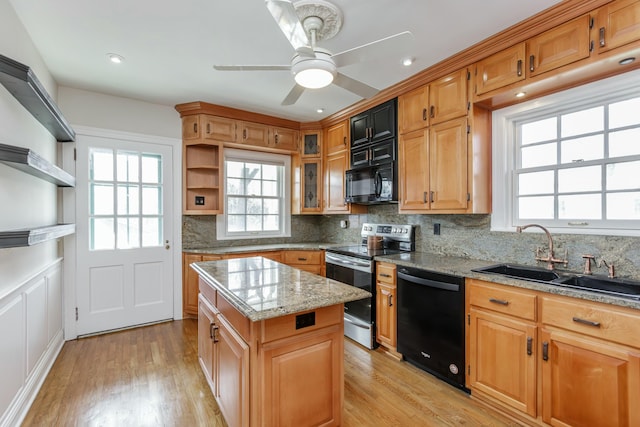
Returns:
<point x="618" y="287"/>
<point x="520" y="272"/>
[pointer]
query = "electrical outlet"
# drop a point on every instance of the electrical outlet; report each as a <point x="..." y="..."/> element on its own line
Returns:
<point x="436" y="229"/>
<point x="344" y="223"/>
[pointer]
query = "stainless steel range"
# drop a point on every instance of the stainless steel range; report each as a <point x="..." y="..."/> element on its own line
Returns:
<point x="355" y="266"/>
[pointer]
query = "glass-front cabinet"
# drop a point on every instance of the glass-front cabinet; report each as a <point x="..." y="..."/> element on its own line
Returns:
<point x="310" y="172"/>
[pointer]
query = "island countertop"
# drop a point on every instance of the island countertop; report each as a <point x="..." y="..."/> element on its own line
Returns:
<point x="262" y="289"/>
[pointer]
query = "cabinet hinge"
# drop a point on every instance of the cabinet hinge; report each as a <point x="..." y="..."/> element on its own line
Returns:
<point x="75" y="153"/>
<point x="76" y="314"/>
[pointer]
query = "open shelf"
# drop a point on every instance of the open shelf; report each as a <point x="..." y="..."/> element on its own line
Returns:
<point x="23" y="84"/>
<point x="33" y="236"/>
<point x="30" y="162"/>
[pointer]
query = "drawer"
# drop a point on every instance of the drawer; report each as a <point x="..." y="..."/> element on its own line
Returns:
<point x="315" y="269"/>
<point x="386" y="273"/>
<point x="514" y="302"/>
<point x="288" y="326"/>
<point x="303" y="257"/>
<point x="590" y="318"/>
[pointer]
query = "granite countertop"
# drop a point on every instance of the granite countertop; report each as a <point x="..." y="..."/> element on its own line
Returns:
<point x="262" y="289"/>
<point x="462" y="267"/>
<point x="261" y="248"/>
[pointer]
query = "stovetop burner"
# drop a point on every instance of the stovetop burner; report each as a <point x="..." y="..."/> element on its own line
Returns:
<point x="396" y="238"/>
<point x="361" y="251"/>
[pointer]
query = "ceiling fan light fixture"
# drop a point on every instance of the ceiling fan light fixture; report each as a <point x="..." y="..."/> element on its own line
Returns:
<point x="314" y="73"/>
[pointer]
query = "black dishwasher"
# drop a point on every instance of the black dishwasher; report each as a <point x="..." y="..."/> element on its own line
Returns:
<point x="431" y="322"/>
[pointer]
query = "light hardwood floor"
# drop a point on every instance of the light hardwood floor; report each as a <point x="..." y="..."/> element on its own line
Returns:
<point x="150" y="376"/>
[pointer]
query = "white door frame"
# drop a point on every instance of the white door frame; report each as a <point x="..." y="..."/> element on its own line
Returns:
<point x="69" y="209"/>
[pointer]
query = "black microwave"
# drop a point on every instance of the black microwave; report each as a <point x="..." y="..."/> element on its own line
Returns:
<point x="371" y="185"/>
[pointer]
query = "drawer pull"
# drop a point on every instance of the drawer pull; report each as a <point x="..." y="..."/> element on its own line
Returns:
<point x="302" y="259"/>
<point x="498" y="301"/>
<point x="586" y="322"/>
<point x="214" y="333"/>
<point x="384" y="275"/>
<point x="545" y="351"/>
<point x="529" y="346"/>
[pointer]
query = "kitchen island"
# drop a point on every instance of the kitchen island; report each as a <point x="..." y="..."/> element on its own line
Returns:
<point x="270" y="342"/>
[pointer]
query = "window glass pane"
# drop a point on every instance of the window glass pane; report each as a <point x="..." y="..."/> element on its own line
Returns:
<point x="581" y="122"/>
<point x="101" y="199"/>
<point x="579" y="179"/>
<point x="151" y="232"/>
<point x="254" y="206"/>
<point x="271" y="222"/>
<point x="254" y="222"/>
<point x="623" y="206"/>
<point x="270" y="172"/>
<point x="623" y="176"/>
<point x="536" y="182"/>
<point x="128" y="200"/>
<point x="102" y="234"/>
<point x="539" y="155"/>
<point x="252" y="170"/>
<point x="128" y="233"/>
<point x="151" y="200"/>
<point x="624" y="143"/>
<point x="535" y="207"/>
<point x="270" y="188"/>
<point x="236" y="205"/>
<point x="234" y="169"/>
<point x="580" y="149"/>
<point x="254" y="187"/>
<point x="580" y="206"/>
<point x="271" y="206"/>
<point x="236" y="223"/>
<point x="235" y="186"/>
<point x="101" y="165"/>
<point x="624" y="113"/>
<point x="151" y="169"/>
<point x="541" y="130"/>
<point x="127" y="167"/>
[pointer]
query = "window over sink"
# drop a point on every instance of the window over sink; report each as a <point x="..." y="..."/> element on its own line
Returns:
<point x="570" y="161"/>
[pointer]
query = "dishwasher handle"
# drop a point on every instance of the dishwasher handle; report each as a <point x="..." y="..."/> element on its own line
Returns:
<point x="429" y="283"/>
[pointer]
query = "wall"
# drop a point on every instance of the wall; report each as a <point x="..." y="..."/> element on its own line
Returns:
<point x="30" y="277"/>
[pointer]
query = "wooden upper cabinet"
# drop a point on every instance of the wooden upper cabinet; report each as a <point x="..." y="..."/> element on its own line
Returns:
<point x="284" y="139"/>
<point x="500" y="69"/>
<point x="191" y="127"/>
<point x="335" y="167"/>
<point x="448" y="165"/>
<point x="413" y="171"/>
<point x="337" y="138"/>
<point x="413" y="110"/>
<point x="560" y="46"/>
<point x="311" y="144"/>
<point x="617" y="24"/>
<point x="448" y="97"/>
<point x="375" y="124"/>
<point x="219" y="128"/>
<point x="254" y="134"/>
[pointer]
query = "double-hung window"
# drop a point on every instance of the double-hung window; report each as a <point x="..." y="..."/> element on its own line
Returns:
<point x="257" y="195"/>
<point x="571" y="161"/>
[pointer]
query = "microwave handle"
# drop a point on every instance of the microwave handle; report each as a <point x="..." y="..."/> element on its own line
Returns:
<point x="377" y="184"/>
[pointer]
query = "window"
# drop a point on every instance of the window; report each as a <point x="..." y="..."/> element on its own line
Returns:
<point x="125" y="199"/>
<point x="571" y="161"/>
<point x="257" y="195"/>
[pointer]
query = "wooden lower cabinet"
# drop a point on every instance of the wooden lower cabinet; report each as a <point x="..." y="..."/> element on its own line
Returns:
<point x="190" y="282"/>
<point x="311" y="261"/>
<point x="553" y="360"/>
<point x="272" y="372"/>
<point x="386" y="312"/>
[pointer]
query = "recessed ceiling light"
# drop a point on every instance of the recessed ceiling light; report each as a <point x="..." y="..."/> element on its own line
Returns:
<point x="520" y="94"/>
<point x="115" y="58"/>
<point x="320" y="110"/>
<point x="407" y="61"/>
<point x="626" y="61"/>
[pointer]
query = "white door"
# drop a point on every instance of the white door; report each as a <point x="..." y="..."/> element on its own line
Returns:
<point x="123" y="227"/>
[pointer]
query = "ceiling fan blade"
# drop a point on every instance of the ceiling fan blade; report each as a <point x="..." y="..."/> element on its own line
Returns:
<point x="355" y="86"/>
<point x="252" y="67"/>
<point x="287" y="19"/>
<point x="293" y="95"/>
<point x="400" y="43"/>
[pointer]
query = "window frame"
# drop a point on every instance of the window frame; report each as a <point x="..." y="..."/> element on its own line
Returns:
<point x="505" y="151"/>
<point x="257" y="157"/>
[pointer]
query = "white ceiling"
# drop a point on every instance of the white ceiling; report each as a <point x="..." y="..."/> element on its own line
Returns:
<point x="170" y="47"/>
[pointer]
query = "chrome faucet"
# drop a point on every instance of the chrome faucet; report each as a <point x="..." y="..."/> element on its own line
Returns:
<point x="550" y="258"/>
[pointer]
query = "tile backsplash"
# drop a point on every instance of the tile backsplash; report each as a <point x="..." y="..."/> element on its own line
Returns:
<point x="468" y="236"/>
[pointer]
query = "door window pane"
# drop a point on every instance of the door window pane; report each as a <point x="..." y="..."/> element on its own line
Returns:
<point x="128" y="200"/>
<point x="101" y="199"/>
<point x="128" y="233"/>
<point x="127" y="167"/>
<point x="102" y="234"/>
<point x="151" y="200"/>
<point x="151" y="232"/>
<point x="151" y="172"/>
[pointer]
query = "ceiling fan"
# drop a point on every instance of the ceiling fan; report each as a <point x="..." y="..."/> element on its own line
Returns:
<point x="307" y="22"/>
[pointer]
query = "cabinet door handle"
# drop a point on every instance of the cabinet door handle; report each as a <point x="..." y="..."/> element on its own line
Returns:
<point x="529" y="346"/>
<point x="424" y="197"/>
<point x="545" y="351"/>
<point x="532" y="59"/>
<point x="519" y="67"/>
<point x="498" y="301"/>
<point x="390" y="300"/>
<point x="586" y="322"/>
<point x="244" y="134"/>
<point x="344" y="141"/>
<point x="211" y="325"/>
<point x="431" y="194"/>
<point x="602" y="42"/>
<point x="214" y="334"/>
<point x="195" y="128"/>
<point x="208" y="128"/>
<point x="424" y="114"/>
<point x="432" y="111"/>
<point x="276" y="138"/>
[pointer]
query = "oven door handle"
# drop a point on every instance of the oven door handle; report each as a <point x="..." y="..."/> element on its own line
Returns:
<point x="346" y="319"/>
<point x="347" y="263"/>
<point x="429" y="283"/>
